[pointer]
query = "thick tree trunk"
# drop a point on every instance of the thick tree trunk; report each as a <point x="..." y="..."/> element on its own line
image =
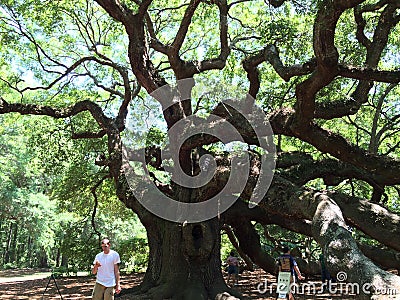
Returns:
<point x="343" y="256"/>
<point x="184" y="261"/>
<point x="382" y="224"/>
<point x="331" y="231"/>
<point x="386" y="258"/>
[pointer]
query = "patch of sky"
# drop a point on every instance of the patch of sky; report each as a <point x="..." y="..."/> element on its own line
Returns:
<point x="145" y="114"/>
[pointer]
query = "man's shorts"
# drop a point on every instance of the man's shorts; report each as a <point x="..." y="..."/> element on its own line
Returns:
<point x="100" y="292"/>
<point x="232" y="270"/>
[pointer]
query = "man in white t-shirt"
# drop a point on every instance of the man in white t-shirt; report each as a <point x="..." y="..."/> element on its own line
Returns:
<point x="105" y="267"/>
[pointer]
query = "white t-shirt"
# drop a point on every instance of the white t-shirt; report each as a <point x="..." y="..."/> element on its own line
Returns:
<point x="105" y="273"/>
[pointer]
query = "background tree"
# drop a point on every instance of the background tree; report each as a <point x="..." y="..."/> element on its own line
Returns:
<point x="45" y="217"/>
<point x="324" y="72"/>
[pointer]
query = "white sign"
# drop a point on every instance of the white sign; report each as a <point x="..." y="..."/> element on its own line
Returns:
<point x="283" y="284"/>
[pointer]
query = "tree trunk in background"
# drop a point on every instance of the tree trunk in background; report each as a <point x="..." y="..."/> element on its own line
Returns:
<point x="29" y="251"/>
<point x="8" y="247"/>
<point x="13" y="252"/>
<point x="58" y="257"/>
<point x="64" y="261"/>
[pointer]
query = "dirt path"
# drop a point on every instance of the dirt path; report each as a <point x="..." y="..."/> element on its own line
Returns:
<point x="35" y="285"/>
<point x="22" y="275"/>
<point x="32" y="284"/>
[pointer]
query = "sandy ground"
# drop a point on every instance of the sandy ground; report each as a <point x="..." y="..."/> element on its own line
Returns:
<point x="37" y="284"/>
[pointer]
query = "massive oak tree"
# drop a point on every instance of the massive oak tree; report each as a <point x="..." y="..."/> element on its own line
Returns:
<point x="325" y="74"/>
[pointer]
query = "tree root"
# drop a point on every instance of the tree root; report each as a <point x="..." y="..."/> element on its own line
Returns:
<point x="192" y="291"/>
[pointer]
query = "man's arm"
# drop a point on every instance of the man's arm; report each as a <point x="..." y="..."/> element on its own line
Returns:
<point x="117" y="279"/>
<point x="95" y="267"/>
<point x="297" y="270"/>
